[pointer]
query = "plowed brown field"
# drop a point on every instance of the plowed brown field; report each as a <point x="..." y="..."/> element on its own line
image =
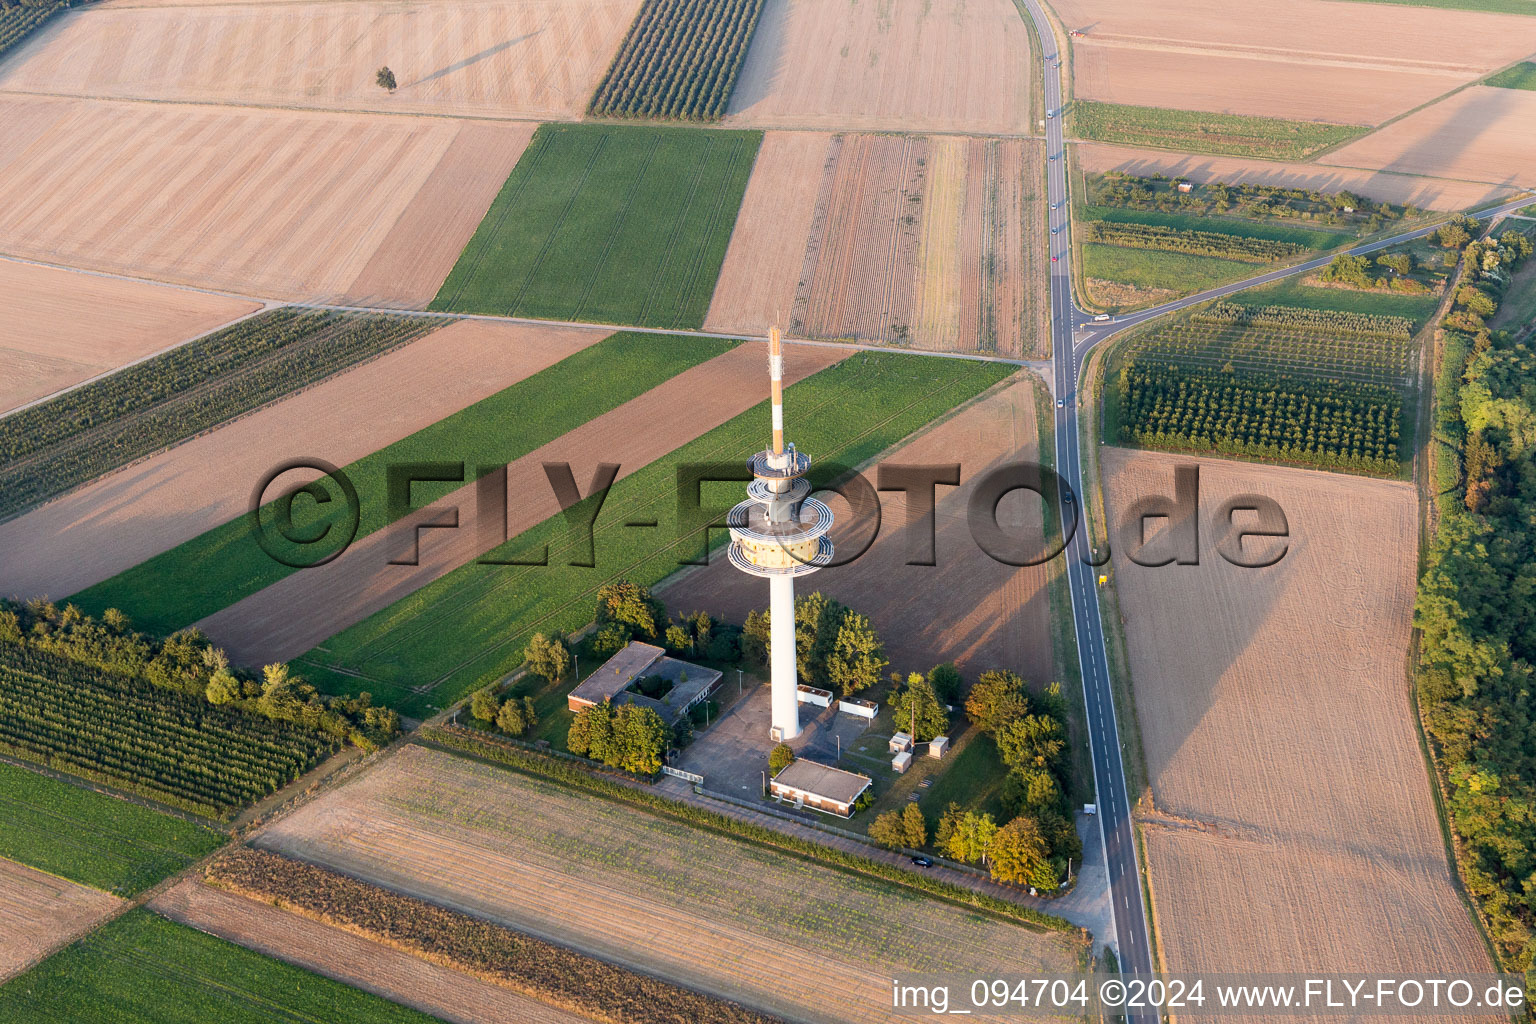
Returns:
<point x="925" y="242"/>
<point x="511" y="58"/>
<point x="893" y="65"/>
<point x="1480" y="134"/>
<point x="273" y="203"/>
<point x="120" y="520"/>
<point x="39" y="913"/>
<point x="1425" y="193"/>
<point x="1294" y="827"/>
<point x="693" y="907"/>
<point x="62" y="328"/>
<point x="303" y="609"/>
<point x="1307" y="59"/>
<point x="985" y="615"/>
<point x="444" y="993"/>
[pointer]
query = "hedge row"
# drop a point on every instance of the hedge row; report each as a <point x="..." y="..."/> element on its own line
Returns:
<point x="1196" y="243"/>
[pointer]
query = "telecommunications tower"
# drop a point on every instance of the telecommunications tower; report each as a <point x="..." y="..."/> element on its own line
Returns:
<point x="780" y="532"/>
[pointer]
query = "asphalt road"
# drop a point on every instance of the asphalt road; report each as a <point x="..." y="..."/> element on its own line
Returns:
<point x="1073" y="333"/>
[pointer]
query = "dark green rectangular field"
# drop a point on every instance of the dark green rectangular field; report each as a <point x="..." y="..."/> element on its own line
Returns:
<point x="92" y="838"/>
<point x="607" y="224"/>
<point x="143" y="969"/>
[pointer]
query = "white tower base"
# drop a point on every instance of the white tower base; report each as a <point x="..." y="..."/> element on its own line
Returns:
<point x="781" y="657"/>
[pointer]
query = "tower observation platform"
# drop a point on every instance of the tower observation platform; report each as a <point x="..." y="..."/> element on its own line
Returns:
<point x="780" y="532"/>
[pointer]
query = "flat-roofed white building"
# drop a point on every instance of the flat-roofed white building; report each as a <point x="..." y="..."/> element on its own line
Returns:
<point x="819" y="787"/>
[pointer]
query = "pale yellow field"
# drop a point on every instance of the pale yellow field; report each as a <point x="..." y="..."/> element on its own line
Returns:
<point x="1481" y="134"/>
<point x="1349" y="63"/>
<point x="894" y="65"/>
<point x="59" y="328"/>
<point x="1425" y="193"/>
<point x="39" y="913"/>
<point x="509" y="58"/>
<point x="280" y="204"/>
<point x="1294" y="826"/>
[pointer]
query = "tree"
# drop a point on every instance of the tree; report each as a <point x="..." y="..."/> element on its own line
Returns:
<point x="517" y="716"/>
<point x="817" y="620"/>
<point x="946" y="682"/>
<point x="1019" y="854"/>
<point x="1402" y="262"/>
<point x="972" y="838"/>
<point x="223" y="687"/>
<point x="779" y="758"/>
<point x="1034" y="741"/>
<point x="610" y="639"/>
<point x="917" y="707"/>
<point x="677" y="638"/>
<point x="914" y="825"/>
<point x="641" y="738"/>
<point x="754" y="638"/>
<point x="386" y="79"/>
<point x="889" y="830"/>
<point x="997" y="699"/>
<point x="484" y="706"/>
<point x="116" y="621"/>
<point x="857" y="657"/>
<point x="947" y="824"/>
<point x="631" y="604"/>
<point x="546" y="656"/>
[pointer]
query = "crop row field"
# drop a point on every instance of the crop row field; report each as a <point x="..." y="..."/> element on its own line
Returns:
<point x="179" y="750"/>
<point x="608" y="878"/>
<point x="468" y="627"/>
<point x="1192" y="131"/>
<point x="679" y="60"/>
<point x="1331" y="425"/>
<point x="60" y="444"/>
<point x="143" y="969"/>
<point x="101" y="841"/>
<point x="17" y="21"/>
<point x="607" y="223"/>
<point x="217" y="568"/>
<point x="914" y="241"/>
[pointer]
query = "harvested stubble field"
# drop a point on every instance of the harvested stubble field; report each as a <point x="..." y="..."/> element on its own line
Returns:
<point x="1320" y="844"/>
<point x="143" y="969"/>
<point x="900" y="65"/>
<point x="468" y="628"/>
<point x="337" y="596"/>
<point x="285" y="204"/>
<point x="62" y="328"/>
<point x="1480" y="134"/>
<point x="921" y="241"/>
<point x="1309" y="59"/>
<point x="115" y="523"/>
<point x="218" y="568"/>
<point x="352" y="959"/>
<point x="39" y="912"/>
<point x="992" y="616"/>
<point x="607" y="880"/>
<point x="89" y="837"/>
<point x="1383" y="186"/>
<point x="516" y="58"/>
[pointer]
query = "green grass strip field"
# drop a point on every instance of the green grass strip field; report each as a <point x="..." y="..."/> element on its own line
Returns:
<point x="1487" y="6"/>
<point x="1313" y="238"/>
<point x="1149" y="268"/>
<point x="1292" y="292"/>
<point x="1271" y="138"/>
<point x="1521" y="76"/>
<point x="607" y="224"/>
<point x="469" y="627"/>
<point x="143" y="969"/>
<point x="92" y="838"/>
<point x="224" y="565"/>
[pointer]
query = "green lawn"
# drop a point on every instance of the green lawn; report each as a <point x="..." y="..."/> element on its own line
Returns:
<point x="1271" y="138"/>
<point x="1291" y="292"/>
<point x="91" y="838"/>
<point x="1521" y="76"/>
<point x="143" y="969"/>
<point x="1518" y="306"/>
<point x="224" y="565"/>
<point x="469" y="627"/>
<point x="974" y="780"/>
<point x="607" y="223"/>
<point x="1149" y="268"/>
<point x="1320" y="239"/>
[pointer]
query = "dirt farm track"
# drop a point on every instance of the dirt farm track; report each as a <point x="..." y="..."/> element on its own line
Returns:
<point x="1293" y="809"/>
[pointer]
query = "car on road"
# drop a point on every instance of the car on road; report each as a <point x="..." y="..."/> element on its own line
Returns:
<point x="1067" y="497"/>
<point x="1053" y="259"/>
<point x="923" y="862"/>
<point x="1055" y="229"/>
<point x="1061" y="403"/>
<point x="1050" y="113"/>
<point x="1056" y="205"/>
<point x="1101" y="318"/>
<point x="1056" y="65"/>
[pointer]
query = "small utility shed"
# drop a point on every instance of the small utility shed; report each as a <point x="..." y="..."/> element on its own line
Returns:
<point x="819" y="786"/>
